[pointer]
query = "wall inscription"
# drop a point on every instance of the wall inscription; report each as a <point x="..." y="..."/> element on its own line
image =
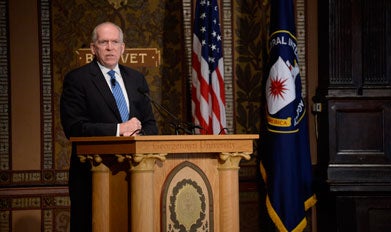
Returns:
<point x="132" y="57"/>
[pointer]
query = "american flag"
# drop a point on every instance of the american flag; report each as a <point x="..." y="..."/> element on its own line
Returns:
<point x="208" y="95"/>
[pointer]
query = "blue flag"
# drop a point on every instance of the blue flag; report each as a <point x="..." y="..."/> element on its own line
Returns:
<point x="285" y="160"/>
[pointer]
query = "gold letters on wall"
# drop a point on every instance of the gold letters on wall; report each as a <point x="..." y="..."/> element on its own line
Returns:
<point x="132" y="57"/>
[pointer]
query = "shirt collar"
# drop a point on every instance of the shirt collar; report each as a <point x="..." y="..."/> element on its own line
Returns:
<point x="105" y="70"/>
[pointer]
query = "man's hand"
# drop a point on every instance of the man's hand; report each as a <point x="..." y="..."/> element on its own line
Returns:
<point x="131" y="127"/>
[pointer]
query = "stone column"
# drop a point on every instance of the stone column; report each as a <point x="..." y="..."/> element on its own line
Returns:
<point x="141" y="191"/>
<point x="100" y="193"/>
<point x="229" y="190"/>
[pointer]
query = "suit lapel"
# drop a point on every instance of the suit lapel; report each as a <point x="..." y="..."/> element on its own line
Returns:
<point x="102" y="87"/>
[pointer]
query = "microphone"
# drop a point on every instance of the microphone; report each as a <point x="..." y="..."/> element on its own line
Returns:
<point x="187" y="127"/>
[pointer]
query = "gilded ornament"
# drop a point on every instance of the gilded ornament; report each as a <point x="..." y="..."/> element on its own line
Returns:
<point x="118" y="3"/>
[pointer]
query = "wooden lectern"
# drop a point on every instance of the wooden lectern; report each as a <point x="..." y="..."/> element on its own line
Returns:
<point x="168" y="183"/>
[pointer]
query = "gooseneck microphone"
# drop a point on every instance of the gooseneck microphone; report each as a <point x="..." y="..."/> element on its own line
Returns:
<point x="186" y="127"/>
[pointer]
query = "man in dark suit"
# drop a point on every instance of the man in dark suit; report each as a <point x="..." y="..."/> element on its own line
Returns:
<point x="88" y="108"/>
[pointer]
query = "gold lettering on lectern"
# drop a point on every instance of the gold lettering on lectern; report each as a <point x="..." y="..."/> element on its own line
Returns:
<point x="204" y="146"/>
<point x="175" y="147"/>
<point x="216" y="145"/>
<point x="132" y="57"/>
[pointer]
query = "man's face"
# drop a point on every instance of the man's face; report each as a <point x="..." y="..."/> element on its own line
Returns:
<point x="108" y="47"/>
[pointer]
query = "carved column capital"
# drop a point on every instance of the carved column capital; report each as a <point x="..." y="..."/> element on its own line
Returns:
<point x="122" y="158"/>
<point x="95" y="160"/>
<point x="84" y="158"/>
<point x="230" y="160"/>
<point x="146" y="162"/>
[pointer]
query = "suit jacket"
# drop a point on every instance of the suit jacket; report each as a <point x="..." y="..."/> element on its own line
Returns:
<point x="88" y="108"/>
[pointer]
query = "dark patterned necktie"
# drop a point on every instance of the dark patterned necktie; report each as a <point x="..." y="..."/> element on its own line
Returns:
<point x="119" y="96"/>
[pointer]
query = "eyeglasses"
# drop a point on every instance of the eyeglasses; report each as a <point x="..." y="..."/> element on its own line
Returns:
<point x="104" y="43"/>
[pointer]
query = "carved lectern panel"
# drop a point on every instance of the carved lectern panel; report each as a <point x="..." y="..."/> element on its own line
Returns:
<point x="187" y="200"/>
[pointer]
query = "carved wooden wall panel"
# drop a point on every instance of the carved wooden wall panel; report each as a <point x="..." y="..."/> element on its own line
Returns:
<point x="360" y="135"/>
<point x="354" y="145"/>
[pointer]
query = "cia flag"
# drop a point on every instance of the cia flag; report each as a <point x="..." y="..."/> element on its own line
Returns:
<point x="285" y="160"/>
<point x="208" y="95"/>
